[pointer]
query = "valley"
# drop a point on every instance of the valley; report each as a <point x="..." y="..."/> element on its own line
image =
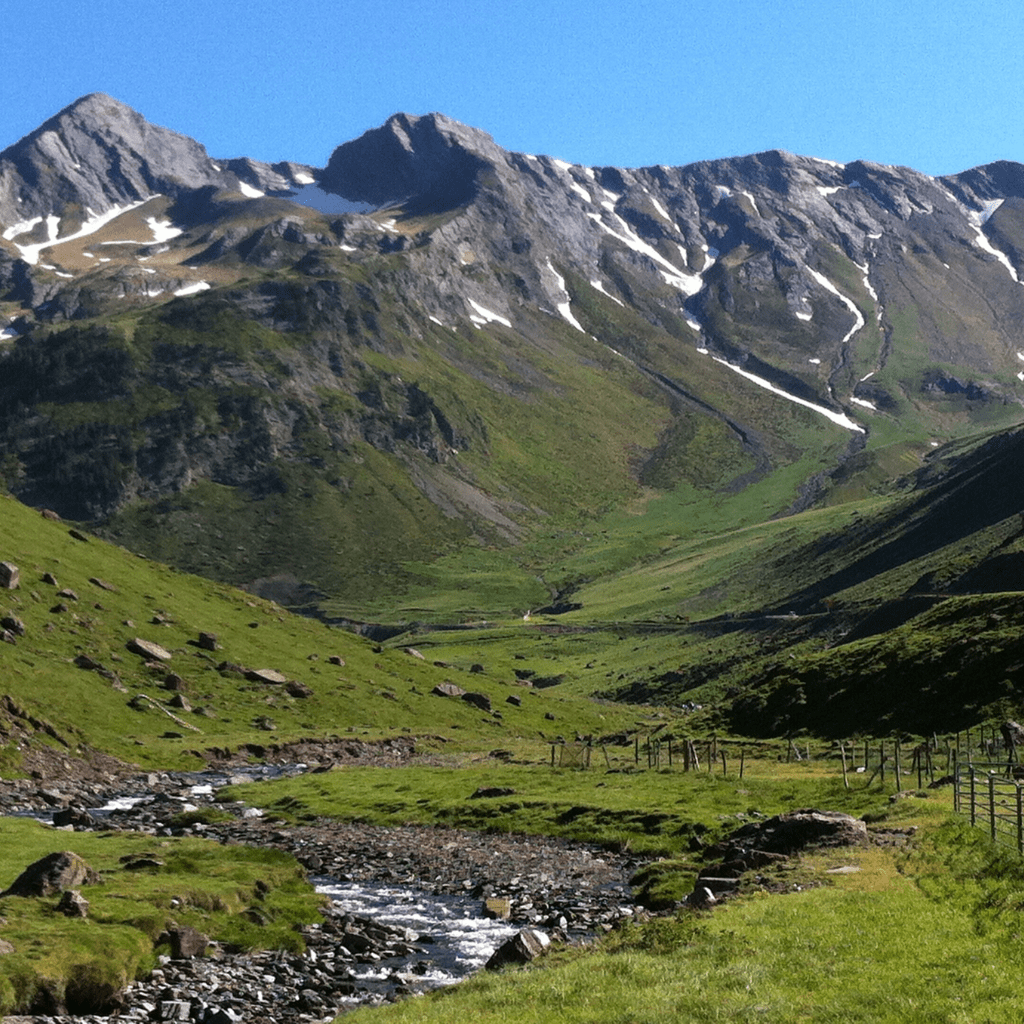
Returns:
<point x="434" y="474"/>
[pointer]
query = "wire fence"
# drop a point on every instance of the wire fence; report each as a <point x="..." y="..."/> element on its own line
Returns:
<point x="991" y="794"/>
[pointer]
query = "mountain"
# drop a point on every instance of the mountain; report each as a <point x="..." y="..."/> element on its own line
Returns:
<point x="436" y="363"/>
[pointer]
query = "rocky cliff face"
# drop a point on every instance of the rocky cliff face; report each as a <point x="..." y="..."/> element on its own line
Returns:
<point x="428" y="301"/>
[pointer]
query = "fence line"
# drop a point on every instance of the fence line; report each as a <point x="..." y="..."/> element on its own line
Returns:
<point x="991" y="794"/>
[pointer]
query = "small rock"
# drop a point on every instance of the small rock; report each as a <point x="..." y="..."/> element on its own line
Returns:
<point x="73" y="904"/>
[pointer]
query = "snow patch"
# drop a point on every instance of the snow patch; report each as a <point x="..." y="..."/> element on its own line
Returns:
<point x="753" y="202"/>
<point x="580" y="191"/>
<point x="20" y="228"/>
<point x="815" y="362"/>
<point x="661" y="209"/>
<point x="30" y="253"/>
<point x="192" y="289"/>
<point x="303" y="179"/>
<point x="838" y="418"/>
<point x="249" y="192"/>
<point x="564" y="308"/>
<point x="865" y="403"/>
<point x="688" y="284"/>
<point x="828" y="190"/>
<point x="562" y="165"/>
<point x="804" y="316"/>
<point x="977" y="218"/>
<point x="829" y="286"/>
<point x="484" y="316"/>
<point x="599" y="285"/>
<point x="316" y="198"/>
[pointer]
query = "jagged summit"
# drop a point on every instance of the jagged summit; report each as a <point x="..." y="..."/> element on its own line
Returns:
<point x="431" y="160"/>
<point x="97" y="153"/>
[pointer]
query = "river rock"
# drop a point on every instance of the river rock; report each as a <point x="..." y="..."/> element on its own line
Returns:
<point x="52" y="874"/>
<point x="523" y="947"/>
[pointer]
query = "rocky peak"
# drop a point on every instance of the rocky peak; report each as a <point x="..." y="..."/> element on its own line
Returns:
<point x="98" y="153"/>
<point x="429" y="163"/>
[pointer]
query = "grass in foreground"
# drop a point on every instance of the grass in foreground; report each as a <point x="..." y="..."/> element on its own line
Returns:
<point x="240" y="896"/>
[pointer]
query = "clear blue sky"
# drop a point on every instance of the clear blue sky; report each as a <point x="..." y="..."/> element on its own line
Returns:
<point x="933" y="85"/>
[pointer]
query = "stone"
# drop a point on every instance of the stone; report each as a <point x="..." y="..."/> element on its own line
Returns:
<point x="336" y="659"/>
<point x="796" y="830"/>
<point x="52" y="874"/>
<point x="89" y="664"/>
<point x="447" y="690"/>
<point x="479" y="700"/>
<point x="148" y="649"/>
<point x="498" y="909"/>
<point x="514" y="700"/>
<point x="208" y="642"/>
<point x="297" y="689"/>
<point x="73" y="904"/>
<point x="73" y="816"/>
<point x="5" y="947"/>
<point x="68" y="594"/>
<point x="522" y="948"/>
<point x="187" y="943"/>
<point x="48" y="513"/>
<point x="49" y="579"/>
<point x="266" y="675"/>
<point x="414" y="653"/>
<point x="13" y="624"/>
<point x="10" y="576"/>
<point x="491" y="791"/>
<point x="78" y="535"/>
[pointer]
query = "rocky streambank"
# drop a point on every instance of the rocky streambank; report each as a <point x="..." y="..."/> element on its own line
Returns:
<point x="464" y="895"/>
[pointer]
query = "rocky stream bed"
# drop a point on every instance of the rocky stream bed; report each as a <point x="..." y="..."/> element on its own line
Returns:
<point x="411" y="908"/>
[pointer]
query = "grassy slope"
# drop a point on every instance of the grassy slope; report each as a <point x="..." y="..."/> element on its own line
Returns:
<point x="374" y="693"/>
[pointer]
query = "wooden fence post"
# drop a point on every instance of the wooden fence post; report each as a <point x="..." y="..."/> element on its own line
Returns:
<point x="743" y="752"/>
<point x="722" y="753"/>
<point x="899" y="784"/>
<point x="842" y="754"/>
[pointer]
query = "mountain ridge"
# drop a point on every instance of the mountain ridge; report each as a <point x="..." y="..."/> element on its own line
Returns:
<point x="474" y="320"/>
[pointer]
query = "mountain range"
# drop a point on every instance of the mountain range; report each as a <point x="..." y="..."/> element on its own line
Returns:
<point x="438" y="380"/>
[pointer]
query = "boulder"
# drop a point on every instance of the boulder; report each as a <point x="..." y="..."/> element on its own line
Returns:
<point x="448" y="690"/>
<point x="297" y="689"/>
<point x="52" y="874"/>
<point x="522" y="948"/>
<point x="479" y="700"/>
<point x="207" y="642"/>
<point x="148" y="649"/>
<point x="13" y="624"/>
<point x="266" y="675"/>
<point x="796" y="830"/>
<point x="187" y="943"/>
<point x="73" y="816"/>
<point x="10" y="576"/>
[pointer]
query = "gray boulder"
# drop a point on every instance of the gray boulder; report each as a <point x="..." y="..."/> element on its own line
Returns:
<point x="52" y="874"/>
